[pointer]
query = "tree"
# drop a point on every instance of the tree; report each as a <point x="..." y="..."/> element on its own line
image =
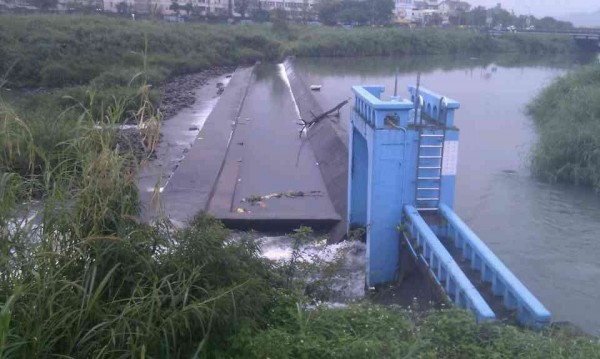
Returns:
<point x="435" y="19"/>
<point x="381" y="11"/>
<point x="279" y="19"/>
<point x="44" y="4"/>
<point x="259" y="14"/>
<point x="550" y="23"/>
<point x="175" y="7"/>
<point x="353" y="16"/>
<point x="122" y="7"/>
<point x="476" y="17"/>
<point x="327" y="12"/>
<point x="242" y="7"/>
<point x="188" y="8"/>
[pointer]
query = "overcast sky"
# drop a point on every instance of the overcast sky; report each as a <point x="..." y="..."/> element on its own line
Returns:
<point x="543" y="7"/>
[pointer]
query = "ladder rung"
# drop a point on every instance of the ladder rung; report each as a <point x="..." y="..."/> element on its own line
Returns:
<point x="427" y="209"/>
<point x="430" y="156"/>
<point x="428" y="188"/>
<point x="430" y="135"/>
<point x="428" y="199"/>
<point x="431" y="146"/>
<point x="429" y="178"/>
<point x="430" y="168"/>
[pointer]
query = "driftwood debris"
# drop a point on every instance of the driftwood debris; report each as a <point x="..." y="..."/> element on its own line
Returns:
<point x="308" y="124"/>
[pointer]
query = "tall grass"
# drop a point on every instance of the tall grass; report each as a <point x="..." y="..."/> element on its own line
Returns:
<point x="59" y="51"/>
<point x="81" y="277"/>
<point x="388" y="41"/>
<point x="567" y="115"/>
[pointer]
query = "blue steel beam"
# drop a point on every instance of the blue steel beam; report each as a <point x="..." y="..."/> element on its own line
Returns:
<point x="446" y="271"/>
<point x="516" y="296"/>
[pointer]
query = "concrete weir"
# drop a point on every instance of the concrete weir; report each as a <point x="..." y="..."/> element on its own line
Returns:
<point x="248" y="166"/>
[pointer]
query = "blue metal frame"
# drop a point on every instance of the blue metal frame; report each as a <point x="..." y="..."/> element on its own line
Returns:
<point x="504" y="283"/>
<point x="444" y="269"/>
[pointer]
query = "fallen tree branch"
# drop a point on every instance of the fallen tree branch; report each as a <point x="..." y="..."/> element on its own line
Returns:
<point x="308" y="124"/>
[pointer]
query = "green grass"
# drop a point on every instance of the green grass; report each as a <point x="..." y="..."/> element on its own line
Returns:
<point x="567" y="116"/>
<point x="370" y="331"/>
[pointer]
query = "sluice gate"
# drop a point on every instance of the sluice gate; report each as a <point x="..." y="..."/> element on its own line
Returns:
<point x="402" y="170"/>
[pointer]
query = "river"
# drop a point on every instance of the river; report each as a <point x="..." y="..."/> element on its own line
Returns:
<point x="546" y="234"/>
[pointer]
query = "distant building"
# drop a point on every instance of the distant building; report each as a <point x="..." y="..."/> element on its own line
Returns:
<point x="404" y="10"/>
<point x="451" y="7"/>
<point x="296" y="9"/>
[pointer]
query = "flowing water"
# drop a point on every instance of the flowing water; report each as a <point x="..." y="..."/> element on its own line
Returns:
<point x="548" y="235"/>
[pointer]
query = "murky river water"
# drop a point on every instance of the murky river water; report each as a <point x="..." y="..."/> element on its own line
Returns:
<point x="549" y="235"/>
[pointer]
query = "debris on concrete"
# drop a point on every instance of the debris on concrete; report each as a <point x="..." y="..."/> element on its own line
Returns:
<point x="258" y="200"/>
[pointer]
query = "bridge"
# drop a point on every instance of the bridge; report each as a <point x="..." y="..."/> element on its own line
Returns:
<point x="401" y="179"/>
<point x="585" y="37"/>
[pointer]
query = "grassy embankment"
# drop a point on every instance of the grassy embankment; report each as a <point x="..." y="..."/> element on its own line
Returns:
<point x="567" y="116"/>
<point x="85" y="279"/>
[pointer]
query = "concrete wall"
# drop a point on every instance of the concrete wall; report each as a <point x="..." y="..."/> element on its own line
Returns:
<point x="329" y="145"/>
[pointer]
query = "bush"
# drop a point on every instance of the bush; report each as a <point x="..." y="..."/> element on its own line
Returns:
<point x="567" y="116"/>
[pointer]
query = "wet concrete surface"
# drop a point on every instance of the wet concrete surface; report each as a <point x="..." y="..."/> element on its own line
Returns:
<point x="270" y="177"/>
<point x="178" y="133"/>
<point x="188" y="190"/>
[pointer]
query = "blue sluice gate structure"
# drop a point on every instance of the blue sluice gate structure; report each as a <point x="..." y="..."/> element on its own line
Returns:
<point x="401" y="181"/>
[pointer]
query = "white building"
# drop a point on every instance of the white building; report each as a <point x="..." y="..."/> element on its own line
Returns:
<point x="296" y="9"/>
<point x="163" y="7"/>
<point x="404" y="10"/>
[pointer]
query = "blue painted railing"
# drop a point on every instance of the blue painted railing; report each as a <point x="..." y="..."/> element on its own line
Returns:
<point x="445" y="270"/>
<point x="504" y="283"/>
<point x="433" y="103"/>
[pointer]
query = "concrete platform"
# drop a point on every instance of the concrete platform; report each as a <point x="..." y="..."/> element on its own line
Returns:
<point x="248" y="166"/>
<point x="191" y="186"/>
<point x="270" y="177"/>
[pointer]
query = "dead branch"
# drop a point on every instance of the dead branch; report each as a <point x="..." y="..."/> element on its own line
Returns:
<point x="308" y="124"/>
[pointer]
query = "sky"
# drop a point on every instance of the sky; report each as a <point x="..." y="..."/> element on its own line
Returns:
<point x="542" y="7"/>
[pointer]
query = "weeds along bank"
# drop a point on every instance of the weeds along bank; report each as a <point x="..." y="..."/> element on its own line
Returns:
<point x="56" y="51"/>
<point x="567" y="117"/>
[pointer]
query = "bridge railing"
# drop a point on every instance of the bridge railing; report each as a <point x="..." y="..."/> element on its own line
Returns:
<point x="445" y="270"/>
<point x="515" y="295"/>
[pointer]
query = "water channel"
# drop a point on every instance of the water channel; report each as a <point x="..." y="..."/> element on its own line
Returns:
<point x="547" y="234"/>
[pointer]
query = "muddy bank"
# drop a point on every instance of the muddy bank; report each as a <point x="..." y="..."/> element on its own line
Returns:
<point x="180" y="92"/>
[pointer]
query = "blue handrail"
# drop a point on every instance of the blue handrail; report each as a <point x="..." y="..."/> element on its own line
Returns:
<point x="516" y="296"/>
<point x="445" y="269"/>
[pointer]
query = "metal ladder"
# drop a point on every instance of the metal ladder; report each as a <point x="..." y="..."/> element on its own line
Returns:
<point x="430" y="155"/>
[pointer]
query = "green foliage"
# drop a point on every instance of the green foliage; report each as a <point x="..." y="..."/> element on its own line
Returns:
<point x="567" y="115"/>
<point x="356" y="12"/>
<point x="500" y="17"/>
<point x="84" y="279"/>
<point x="369" y="331"/>
<point x="75" y="49"/>
<point x="335" y="42"/>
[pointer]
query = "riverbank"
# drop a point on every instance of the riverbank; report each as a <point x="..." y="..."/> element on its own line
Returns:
<point x="59" y="51"/>
<point x="566" y="116"/>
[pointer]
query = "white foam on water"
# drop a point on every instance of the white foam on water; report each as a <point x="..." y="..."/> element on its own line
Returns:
<point x="347" y="284"/>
